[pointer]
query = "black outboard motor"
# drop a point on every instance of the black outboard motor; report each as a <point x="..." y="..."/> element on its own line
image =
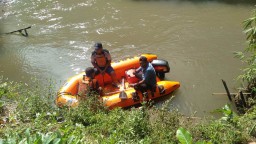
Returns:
<point x="161" y="67"/>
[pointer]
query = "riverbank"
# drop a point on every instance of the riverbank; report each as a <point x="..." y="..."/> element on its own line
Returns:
<point x="28" y="115"/>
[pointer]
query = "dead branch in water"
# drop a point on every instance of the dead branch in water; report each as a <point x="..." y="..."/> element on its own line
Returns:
<point x="25" y="34"/>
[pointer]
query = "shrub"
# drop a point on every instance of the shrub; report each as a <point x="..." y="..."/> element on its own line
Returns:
<point x="248" y="56"/>
<point x="34" y="119"/>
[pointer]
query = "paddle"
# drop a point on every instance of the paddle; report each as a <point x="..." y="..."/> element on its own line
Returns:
<point x="115" y="92"/>
<point x="122" y="94"/>
<point x="103" y="79"/>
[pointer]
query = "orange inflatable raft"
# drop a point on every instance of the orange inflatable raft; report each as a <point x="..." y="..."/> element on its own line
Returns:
<point x="67" y="95"/>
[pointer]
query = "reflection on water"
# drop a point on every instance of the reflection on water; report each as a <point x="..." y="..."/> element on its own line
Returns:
<point x="197" y="38"/>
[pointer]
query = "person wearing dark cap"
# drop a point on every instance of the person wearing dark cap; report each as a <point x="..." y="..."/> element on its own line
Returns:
<point x="147" y="75"/>
<point x="89" y="83"/>
<point x="101" y="60"/>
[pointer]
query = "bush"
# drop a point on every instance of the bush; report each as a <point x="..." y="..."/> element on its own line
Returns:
<point x="164" y="124"/>
<point x="34" y="118"/>
<point x="248" y="56"/>
<point x="218" y="132"/>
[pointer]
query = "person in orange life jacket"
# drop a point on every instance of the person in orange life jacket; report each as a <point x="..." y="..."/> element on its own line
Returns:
<point x="101" y="60"/>
<point x="88" y="84"/>
<point x="147" y="75"/>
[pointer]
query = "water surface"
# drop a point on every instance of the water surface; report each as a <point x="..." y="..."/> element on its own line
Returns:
<point x="197" y="38"/>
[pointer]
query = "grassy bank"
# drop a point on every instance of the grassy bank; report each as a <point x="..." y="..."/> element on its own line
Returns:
<point x="29" y="116"/>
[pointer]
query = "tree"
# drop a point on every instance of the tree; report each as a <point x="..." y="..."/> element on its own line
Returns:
<point x="248" y="56"/>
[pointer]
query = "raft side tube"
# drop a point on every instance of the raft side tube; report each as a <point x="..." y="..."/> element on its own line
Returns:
<point x="67" y="100"/>
<point x="71" y="86"/>
<point x="114" y="100"/>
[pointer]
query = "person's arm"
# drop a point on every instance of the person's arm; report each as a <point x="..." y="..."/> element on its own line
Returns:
<point x="140" y="82"/>
<point x="107" y="65"/>
<point x="98" y="86"/>
<point x="146" y="76"/>
<point x="138" y="70"/>
<point x="96" y="66"/>
<point x="108" y="56"/>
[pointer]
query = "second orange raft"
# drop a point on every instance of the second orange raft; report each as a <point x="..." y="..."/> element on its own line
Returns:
<point x="67" y="95"/>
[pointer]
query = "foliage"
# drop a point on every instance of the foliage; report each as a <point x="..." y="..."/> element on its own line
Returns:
<point x="35" y="119"/>
<point x="184" y="136"/>
<point x="164" y="124"/>
<point x="228" y="129"/>
<point x="248" y="56"/>
<point x="48" y="138"/>
<point x="219" y="132"/>
<point x="247" y="122"/>
<point x="228" y="114"/>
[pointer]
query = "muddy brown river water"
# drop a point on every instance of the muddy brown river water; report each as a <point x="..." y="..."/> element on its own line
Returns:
<point x="197" y="38"/>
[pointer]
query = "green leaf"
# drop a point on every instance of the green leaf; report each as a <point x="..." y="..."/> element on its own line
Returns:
<point x="239" y="55"/>
<point x="247" y="23"/>
<point x="48" y="138"/>
<point x="249" y="30"/>
<point x="184" y="136"/>
<point x="226" y="110"/>
<point x="56" y="141"/>
<point x="69" y="141"/>
<point x="3" y="85"/>
<point x="200" y="142"/>
<point x="203" y="142"/>
<point x="27" y="133"/>
<point x="2" y="104"/>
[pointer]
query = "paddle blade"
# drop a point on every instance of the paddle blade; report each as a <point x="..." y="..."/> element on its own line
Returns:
<point x="122" y="95"/>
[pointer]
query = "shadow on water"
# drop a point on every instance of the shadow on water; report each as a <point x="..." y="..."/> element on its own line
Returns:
<point x="244" y="2"/>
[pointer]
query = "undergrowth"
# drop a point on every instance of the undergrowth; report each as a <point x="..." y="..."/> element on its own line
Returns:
<point x="30" y="116"/>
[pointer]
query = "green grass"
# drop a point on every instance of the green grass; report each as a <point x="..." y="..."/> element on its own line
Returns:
<point x="33" y="118"/>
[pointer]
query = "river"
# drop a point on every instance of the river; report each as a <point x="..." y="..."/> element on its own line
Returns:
<point x="197" y="38"/>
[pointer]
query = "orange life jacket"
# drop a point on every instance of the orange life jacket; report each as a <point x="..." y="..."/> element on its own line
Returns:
<point x="86" y="85"/>
<point x="101" y="60"/>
